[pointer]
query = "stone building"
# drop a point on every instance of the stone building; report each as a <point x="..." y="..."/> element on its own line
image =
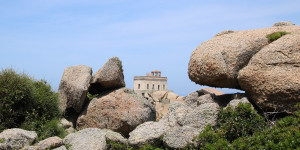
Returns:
<point x="150" y="83"/>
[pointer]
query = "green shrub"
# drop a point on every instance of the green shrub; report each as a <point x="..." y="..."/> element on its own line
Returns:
<point x="91" y="96"/>
<point x="274" y="138"/>
<point x="151" y="147"/>
<point x="210" y="139"/>
<point x="117" y="146"/>
<point x="285" y="134"/>
<point x="240" y="121"/>
<point x="27" y="103"/>
<point x="15" y="95"/>
<point x="276" y="35"/>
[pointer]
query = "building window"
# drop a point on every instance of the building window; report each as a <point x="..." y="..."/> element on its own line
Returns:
<point x="147" y="86"/>
<point x="164" y="86"/>
<point x="158" y="87"/>
<point x="139" y="86"/>
<point x="153" y="87"/>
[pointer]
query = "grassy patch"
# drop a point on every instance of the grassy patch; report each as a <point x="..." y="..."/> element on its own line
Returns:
<point x="2" y="140"/>
<point x="276" y="35"/>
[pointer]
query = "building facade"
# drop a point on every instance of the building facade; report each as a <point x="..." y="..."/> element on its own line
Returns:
<point x="150" y="83"/>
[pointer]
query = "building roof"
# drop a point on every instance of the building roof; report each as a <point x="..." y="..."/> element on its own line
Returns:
<point x="155" y="71"/>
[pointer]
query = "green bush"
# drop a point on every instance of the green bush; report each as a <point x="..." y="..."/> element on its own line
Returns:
<point x="15" y="95"/>
<point x="284" y="135"/>
<point x="26" y="103"/>
<point x="276" y="35"/>
<point x="117" y="146"/>
<point x="240" y="121"/>
<point x="210" y="139"/>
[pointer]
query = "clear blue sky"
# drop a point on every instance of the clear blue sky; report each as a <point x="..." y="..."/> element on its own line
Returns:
<point x="42" y="37"/>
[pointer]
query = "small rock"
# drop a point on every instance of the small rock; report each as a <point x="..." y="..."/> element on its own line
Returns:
<point x="114" y="136"/>
<point x="148" y="132"/>
<point x="16" y="138"/>
<point x="49" y="143"/>
<point x="65" y="123"/>
<point x="234" y="103"/>
<point x="91" y="138"/>
<point x="283" y="23"/>
<point x="60" y="148"/>
<point x="179" y="137"/>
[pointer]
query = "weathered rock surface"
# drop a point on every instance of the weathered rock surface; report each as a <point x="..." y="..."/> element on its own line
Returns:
<point x="148" y="132"/>
<point x="235" y="102"/>
<point x="178" y="137"/>
<point x="272" y="76"/>
<point x="16" y="138"/>
<point x="49" y="143"/>
<point x="182" y="115"/>
<point x="114" y="136"/>
<point x="184" y="121"/>
<point x="121" y="110"/>
<point x="217" y="61"/>
<point x="91" y="138"/>
<point x="268" y="71"/>
<point x="60" y="148"/>
<point x="52" y="142"/>
<point x="73" y="87"/>
<point x="109" y="76"/>
<point x="283" y="23"/>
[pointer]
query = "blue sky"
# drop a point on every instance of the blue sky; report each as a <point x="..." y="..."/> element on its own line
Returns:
<point x="41" y="38"/>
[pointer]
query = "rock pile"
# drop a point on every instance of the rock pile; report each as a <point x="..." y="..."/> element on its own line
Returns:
<point x="246" y="60"/>
<point x="91" y="138"/>
<point x="184" y="121"/>
<point x="115" y="107"/>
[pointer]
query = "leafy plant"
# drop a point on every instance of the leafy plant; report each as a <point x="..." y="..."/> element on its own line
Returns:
<point x="276" y="35"/>
<point x="210" y="139"/>
<point x="91" y="96"/>
<point x="151" y="147"/>
<point x="240" y="121"/>
<point x="27" y="103"/>
<point x="117" y="146"/>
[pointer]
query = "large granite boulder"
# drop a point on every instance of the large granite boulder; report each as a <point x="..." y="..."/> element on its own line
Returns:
<point x="247" y="60"/>
<point x="73" y="87"/>
<point x="16" y="138"/>
<point x="109" y="76"/>
<point x="217" y="61"/>
<point x="272" y="76"/>
<point x="91" y="138"/>
<point x="120" y="110"/>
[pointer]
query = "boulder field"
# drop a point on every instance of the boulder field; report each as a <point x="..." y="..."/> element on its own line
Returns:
<point x="99" y="109"/>
<point x="248" y="60"/>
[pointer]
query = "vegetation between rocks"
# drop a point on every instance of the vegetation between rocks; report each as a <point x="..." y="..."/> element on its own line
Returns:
<point x="276" y="35"/>
<point x="243" y="128"/>
<point x="29" y="104"/>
